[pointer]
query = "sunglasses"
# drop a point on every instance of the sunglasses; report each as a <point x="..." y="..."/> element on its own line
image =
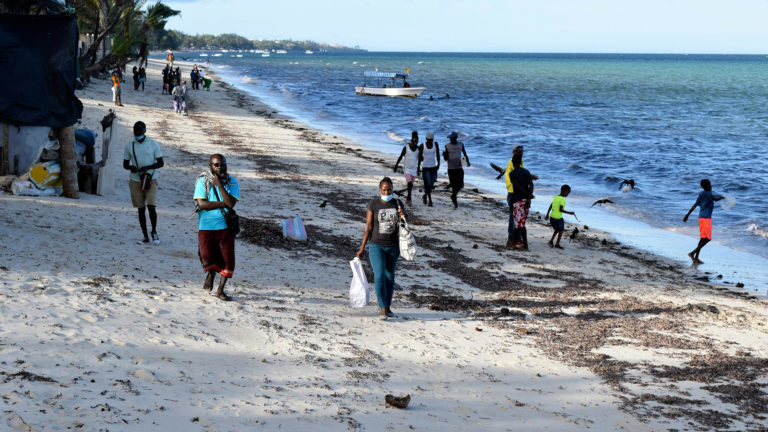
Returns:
<point x="217" y="165"/>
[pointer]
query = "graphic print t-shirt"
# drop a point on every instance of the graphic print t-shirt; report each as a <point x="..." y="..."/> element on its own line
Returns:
<point x="384" y="222"/>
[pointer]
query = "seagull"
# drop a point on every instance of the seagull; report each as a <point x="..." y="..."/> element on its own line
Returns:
<point x="627" y="185"/>
<point x="602" y="201"/>
<point x="324" y="204"/>
<point x="499" y="169"/>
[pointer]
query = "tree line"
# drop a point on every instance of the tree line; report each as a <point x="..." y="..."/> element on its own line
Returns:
<point x="136" y="28"/>
<point x="175" y="40"/>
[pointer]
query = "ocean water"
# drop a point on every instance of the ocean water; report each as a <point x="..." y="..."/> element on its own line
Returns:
<point x="588" y="120"/>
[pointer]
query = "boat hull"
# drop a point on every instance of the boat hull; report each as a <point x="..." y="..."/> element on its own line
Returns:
<point x="411" y="92"/>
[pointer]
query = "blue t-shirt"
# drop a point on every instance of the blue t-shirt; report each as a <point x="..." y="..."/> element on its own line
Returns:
<point x="147" y="153"/>
<point x="706" y="203"/>
<point x="209" y="220"/>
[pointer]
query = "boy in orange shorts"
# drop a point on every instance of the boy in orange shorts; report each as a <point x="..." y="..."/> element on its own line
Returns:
<point x="706" y="203"/>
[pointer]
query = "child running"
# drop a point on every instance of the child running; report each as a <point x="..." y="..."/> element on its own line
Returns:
<point x="558" y="208"/>
<point x="706" y="203"/>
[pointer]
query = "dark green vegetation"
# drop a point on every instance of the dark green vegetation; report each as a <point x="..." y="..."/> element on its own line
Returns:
<point x="173" y="39"/>
<point x="128" y="23"/>
<point x="117" y="32"/>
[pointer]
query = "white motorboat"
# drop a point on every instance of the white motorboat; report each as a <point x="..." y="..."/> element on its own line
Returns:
<point x="384" y="84"/>
<point x="308" y="52"/>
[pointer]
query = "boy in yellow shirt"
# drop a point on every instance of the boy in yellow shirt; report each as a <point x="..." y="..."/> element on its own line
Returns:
<point x="558" y="208"/>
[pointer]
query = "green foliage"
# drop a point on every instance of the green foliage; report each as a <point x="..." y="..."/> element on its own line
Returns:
<point x="175" y="40"/>
<point x="127" y="22"/>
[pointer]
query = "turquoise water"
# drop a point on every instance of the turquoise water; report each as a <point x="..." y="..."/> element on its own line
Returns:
<point x="666" y="121"/>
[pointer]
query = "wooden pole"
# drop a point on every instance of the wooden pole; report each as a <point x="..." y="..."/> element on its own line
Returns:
<point x="66" y="138"/>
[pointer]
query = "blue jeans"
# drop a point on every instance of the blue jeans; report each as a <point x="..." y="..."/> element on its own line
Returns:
<point x="429" y="175"/>
<point x="511" y="234"/>
<point x="383" y="260"/>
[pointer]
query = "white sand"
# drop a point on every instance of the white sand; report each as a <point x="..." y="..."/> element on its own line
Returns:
<point x="100" y="333"/>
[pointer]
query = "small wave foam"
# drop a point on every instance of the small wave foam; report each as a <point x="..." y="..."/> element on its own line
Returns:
<point x="758" y="231"/>
<point x="249" y="80"/>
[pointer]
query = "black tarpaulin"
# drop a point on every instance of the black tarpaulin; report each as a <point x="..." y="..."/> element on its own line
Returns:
<point x="38" y="55"/>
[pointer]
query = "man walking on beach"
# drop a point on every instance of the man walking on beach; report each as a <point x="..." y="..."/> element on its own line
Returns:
<point x="520" y="203"/>
<point x="178" y="98"/>
<point x="142" y="157"/>
<point x="184" y="97"/>
<point x="411" y="165"/>
<point x="429" y="160"/>
<point x="116" y="89"/>
<point x="216" y="192"/>
<point x="706" y="203"/>
<point x="513" y="237"/>
<point x="452" y="154"/>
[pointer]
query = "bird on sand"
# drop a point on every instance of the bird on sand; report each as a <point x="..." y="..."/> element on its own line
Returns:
<point x="574" y="233"/>
<point x="602" y="201"/>
<point x="324" y="204"/>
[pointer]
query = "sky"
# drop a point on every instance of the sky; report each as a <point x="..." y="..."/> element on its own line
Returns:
<point x="563" y="26"/>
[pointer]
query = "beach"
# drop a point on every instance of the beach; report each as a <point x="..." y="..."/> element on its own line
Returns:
<point x="103" y="334"/>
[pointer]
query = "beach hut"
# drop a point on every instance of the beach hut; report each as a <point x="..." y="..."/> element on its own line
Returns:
<point x="37" y="92"/>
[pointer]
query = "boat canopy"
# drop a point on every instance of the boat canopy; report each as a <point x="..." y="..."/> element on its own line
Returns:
<point x="377" y="74"/>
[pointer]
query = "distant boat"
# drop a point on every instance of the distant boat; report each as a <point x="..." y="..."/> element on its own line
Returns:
<point x="281" y="52"/>
<point x="384" y="85"/>
<point x="203" y="55"/>
<point x="217" y="55"/>
<point x="308" y="52"/>
<point x="266" y="54"/>
<point x="239" y="55"/>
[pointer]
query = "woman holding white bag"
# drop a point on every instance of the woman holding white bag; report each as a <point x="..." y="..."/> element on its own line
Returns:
<point x="381" y="227"/>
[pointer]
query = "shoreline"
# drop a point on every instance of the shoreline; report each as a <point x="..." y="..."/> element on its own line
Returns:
<point x="600" y="334"/>
<point x="725" y="264"/>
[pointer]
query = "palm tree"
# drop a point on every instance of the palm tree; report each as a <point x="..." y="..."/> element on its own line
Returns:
<point x="156" y="17"/>
<point x="99" y="17"/>
<point x="124" y="20"/>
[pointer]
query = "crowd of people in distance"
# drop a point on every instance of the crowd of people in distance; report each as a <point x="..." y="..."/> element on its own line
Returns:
<point x="173" y="84"/>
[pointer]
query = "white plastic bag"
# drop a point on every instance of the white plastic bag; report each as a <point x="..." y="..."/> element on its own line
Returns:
<point x="359" y="290"/>
<point x="406" y="241"/>
<point x="26" y="187"/>
<point x="727" y="203"/>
